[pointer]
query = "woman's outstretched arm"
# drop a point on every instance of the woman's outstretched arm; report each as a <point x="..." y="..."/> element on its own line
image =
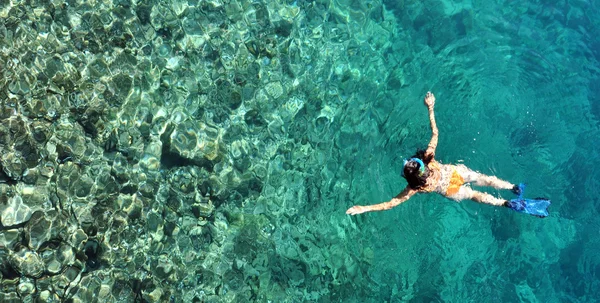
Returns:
<point x="401" y="197"/>
<point x="430" y="102"/>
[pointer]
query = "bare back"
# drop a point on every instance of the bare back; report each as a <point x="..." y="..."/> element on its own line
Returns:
<point x="446" y="179"/>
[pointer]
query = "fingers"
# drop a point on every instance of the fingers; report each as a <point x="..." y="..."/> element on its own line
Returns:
<point x="429" y="99"/>
<point x="355" y="210"/>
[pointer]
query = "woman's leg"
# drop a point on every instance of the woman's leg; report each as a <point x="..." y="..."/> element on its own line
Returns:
<point x="482" y="180"/>
<point x="487" y="199"/>
<point x="466" y="193"/>
<point x="493" y="181"/>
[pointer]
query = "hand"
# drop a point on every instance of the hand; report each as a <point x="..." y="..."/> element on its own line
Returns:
<point x="429" y="100"/>
<point x="356" y="209"/>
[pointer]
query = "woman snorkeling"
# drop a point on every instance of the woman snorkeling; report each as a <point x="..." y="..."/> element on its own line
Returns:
<point x="425" y="175"/>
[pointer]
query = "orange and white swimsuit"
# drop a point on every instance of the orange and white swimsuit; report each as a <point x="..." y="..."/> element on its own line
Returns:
<point x="449" y="180"/>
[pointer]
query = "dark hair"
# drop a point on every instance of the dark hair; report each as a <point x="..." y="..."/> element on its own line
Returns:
<point x="412" y="171"/>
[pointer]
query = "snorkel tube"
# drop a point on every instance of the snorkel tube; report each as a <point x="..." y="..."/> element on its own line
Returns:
<point x="421" y="167"/>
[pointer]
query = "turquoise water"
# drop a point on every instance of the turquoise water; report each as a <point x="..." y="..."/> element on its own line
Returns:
<point x="206" y="151"/>
<point x="515" y="85"/>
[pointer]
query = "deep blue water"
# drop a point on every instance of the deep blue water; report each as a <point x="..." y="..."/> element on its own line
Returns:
<point x="516" y="84"/>
<point x="206" y="151"/>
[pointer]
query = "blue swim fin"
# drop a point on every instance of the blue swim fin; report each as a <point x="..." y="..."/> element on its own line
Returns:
<point x="536" y="207"/>
<point x="519" y="190"/>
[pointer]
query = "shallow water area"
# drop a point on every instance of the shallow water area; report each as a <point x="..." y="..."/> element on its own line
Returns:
<point x="206" y="151"/>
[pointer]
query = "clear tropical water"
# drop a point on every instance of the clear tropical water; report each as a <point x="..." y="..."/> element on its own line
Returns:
<point x="206" y="151"/>
<point x="515" y="83"/>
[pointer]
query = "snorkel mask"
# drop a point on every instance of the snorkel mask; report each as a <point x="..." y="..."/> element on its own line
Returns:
<point x="421" y="167"/>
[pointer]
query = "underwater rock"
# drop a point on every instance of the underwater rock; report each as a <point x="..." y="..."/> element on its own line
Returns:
<point x="69" y="141"/>
<point x="131" y="204"/>
<point x="39" y="230"/>
<point x="15" y="211"/>
<point x="196" y="141"/>
<point x="154" y="128"/>
<point x="122" y="86"/>
<point x="190" y="24"/>
<point x="164" y="268"/>
<point x="48" y="296"/>
<point x="22" y="154"/>
<point x="183" y="180"/>
<point x="154" y="296"/>
<point x="28" y="263"/>
<point x="155" y="225"/>
<point x="92" y="251"/>
<point x="8" y="238"/>
<point x="126" y="140"/>
<point x="44" y="227"/>
<point x="13" y="164"/>
<point x="274" y="89"/>
<point x="22" y="85"/>
<point x="89" y="287"/>
<point x="9" y="296"/>
<point x="203" y="209"/>
<point x="25" y="288"/>
<point x="150" y="162"/>
<point x="8" y="108"/>
<point x="78" y="239"/>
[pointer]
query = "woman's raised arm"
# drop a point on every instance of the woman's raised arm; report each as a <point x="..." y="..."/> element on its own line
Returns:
<point x="430" y="102"/>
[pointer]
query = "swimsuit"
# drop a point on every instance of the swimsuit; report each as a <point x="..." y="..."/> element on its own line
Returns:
<point x="448" y="180"/>
<point x="456" y="181"/>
